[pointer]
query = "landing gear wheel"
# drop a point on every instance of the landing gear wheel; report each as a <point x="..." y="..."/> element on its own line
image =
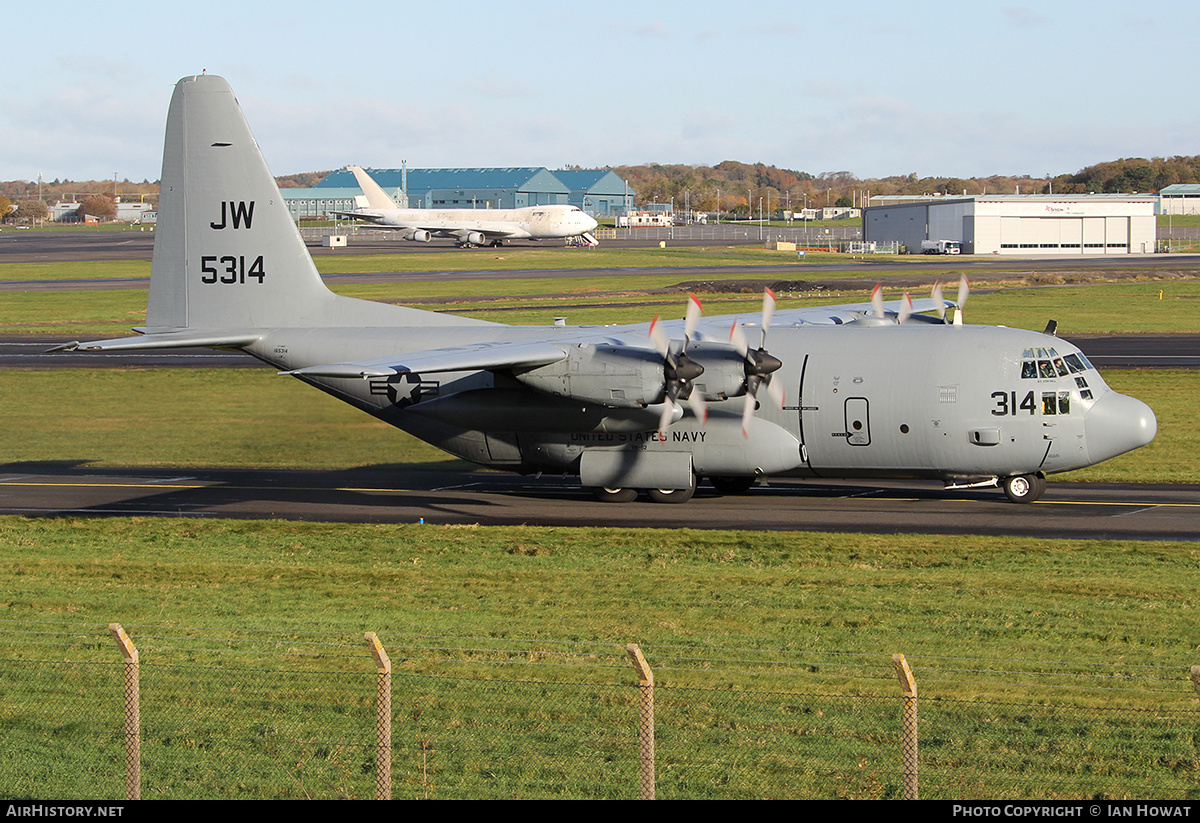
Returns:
<point x="617" y="495"/>
<point x="1024" y="488"/>
<point x="732" y="485"/>
<point x="672" y="495"/>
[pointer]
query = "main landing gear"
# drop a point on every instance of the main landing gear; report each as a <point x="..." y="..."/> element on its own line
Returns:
<point x="623" y="495"/>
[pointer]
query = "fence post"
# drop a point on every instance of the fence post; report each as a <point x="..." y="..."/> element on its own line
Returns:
<point x="645" y="719"/>
<point x="908" y="687"/>
<point x="1196" y="678"/>
<point x="383" y="719"/>
<point x="133" y="720"/>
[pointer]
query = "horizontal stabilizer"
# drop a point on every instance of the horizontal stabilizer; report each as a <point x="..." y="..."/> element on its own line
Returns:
<point x="466" y="358"/>
<point x="206" y="338"/>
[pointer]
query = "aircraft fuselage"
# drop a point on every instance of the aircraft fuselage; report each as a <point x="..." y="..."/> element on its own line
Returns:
<point x="960" y="404"/>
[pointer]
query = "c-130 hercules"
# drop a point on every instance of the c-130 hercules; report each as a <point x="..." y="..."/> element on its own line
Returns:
<point x="870" y="390"/>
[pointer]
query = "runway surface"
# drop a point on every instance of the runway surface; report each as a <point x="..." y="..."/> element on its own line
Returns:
<point x="377" y="495"/>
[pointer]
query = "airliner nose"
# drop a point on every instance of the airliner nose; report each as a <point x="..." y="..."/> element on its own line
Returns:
<point x="1116" y="424"/>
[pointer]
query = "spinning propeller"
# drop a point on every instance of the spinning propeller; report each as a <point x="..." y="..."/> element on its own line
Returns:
<point x="906" y="307"/>
<point x="679" y="370"/>
<point x="964" y="289"/>
<point x="759" y="365"/>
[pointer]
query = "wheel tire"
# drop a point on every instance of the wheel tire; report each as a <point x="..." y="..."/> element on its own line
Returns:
<point x="617" y="495"/>
<point x="1024" y="488"/>
<point x="732" y="485"/>
<point x="672" y="495"/>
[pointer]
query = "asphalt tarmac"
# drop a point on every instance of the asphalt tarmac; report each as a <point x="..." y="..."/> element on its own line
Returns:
<point x="396" y="495"/>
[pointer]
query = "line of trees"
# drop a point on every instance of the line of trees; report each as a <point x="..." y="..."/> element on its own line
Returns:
<point x="32" y="209"/>
<point x="740" y="185"/>
<point x="730" y="186"/>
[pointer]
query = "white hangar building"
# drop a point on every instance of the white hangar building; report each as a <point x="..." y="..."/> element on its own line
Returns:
<point x="1018" y="223"/>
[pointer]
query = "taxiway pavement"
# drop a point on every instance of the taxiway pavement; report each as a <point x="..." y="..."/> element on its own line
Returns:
<point x="398" y="495"/>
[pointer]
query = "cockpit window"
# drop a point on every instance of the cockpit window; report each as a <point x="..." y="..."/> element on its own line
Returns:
<point x="1047" y="364"/>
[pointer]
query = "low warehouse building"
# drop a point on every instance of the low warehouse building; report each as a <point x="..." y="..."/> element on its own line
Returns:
<point x="1018" y="224"/>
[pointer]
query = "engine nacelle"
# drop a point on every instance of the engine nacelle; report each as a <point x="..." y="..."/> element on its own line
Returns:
<point x="626" y="377"/>
<point x="419" y="235"/>
<point x="611" y="375"/>
<point x="724" y="371"/>
<point x="475" y="238"/>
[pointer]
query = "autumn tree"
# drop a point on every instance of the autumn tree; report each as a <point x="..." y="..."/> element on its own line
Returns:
<point x="102" y="206"/>
<point x="30" y="210"/>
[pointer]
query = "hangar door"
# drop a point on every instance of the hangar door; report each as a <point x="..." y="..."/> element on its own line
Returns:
<point x="1065" y="235"/>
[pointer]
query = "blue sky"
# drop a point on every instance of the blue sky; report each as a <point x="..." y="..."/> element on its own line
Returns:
<point x="875" y="88"/>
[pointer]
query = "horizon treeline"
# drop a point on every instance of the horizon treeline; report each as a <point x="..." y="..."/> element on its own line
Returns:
<point x="758" y="184"/>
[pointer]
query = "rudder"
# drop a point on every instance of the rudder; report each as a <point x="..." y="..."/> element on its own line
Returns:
<point x="226" y="253"/>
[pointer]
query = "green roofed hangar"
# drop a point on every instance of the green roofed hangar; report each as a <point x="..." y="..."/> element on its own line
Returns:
<point x="599" y="192"/>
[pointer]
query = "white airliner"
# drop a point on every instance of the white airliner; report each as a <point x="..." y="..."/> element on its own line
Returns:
<point x="470" y="227"/>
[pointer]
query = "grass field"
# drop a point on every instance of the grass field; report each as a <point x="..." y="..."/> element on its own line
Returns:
<point x="1048" y="668"/>
<point x="1128" y="307"/>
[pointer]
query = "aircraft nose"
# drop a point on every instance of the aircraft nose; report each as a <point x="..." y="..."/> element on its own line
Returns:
<point x="589" y="223"/>
<point x="1116" y="424"/>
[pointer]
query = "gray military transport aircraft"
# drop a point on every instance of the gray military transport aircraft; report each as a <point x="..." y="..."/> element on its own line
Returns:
<point x="868" y="390"/>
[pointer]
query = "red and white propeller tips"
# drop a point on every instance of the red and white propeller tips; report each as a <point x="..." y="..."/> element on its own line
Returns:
<point x="737" y="339"/>
<point x="667" y="418"/>
<point x="877" y="301"/>
<point x="679" y="370"/>
<point x="658" y="336"/>
<point x="775" y="392"/>
<point x="938" y="302"/>
<point x="964" y="289"/>
<point x="759" y="365"/>
<point x="692" y="318"/>
<point x="906" y="309"/>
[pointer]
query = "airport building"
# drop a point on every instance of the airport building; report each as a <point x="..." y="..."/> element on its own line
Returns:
<point x="1181" y="198"/>
<point x="1017" y="224"/>
<point x="502" y="188"/>
<point x="599" y="192"/>
<point x="319" y="203"/>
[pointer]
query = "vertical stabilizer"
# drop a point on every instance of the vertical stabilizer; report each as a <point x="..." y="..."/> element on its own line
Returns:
<point x="226" y="252"/>
<point x="377" y="198"/>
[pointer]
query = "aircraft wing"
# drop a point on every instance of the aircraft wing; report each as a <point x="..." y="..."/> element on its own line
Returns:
<point x="844" y="313"/>
<point x="370" y="218"/>
<point x="462" y="358"/>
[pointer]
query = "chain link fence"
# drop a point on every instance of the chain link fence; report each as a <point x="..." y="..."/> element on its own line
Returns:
<point x="237" y="714"/>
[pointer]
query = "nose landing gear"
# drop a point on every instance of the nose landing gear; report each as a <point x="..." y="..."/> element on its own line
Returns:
<point x="1024" y="488"/>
